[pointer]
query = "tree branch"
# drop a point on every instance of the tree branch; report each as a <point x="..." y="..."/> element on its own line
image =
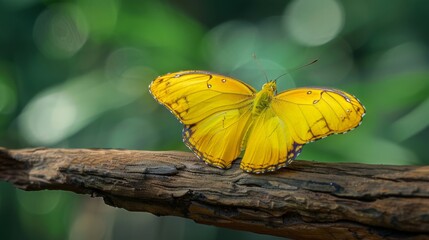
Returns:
<point x="307" y="200"/>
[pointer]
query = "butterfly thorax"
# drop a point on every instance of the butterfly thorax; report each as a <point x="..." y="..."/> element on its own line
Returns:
<point x="263" y="98"/>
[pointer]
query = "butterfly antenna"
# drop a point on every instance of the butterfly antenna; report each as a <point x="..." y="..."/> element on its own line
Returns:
<point x="297" y="68"/>
<point x="260" y="66"/>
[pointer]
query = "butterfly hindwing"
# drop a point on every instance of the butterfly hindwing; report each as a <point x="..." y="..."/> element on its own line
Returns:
<point x="269" y="144"/>
<point x="217" y="138"/>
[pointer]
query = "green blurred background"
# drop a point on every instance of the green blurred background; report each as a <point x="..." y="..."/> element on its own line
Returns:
<point x="75" y="74"/>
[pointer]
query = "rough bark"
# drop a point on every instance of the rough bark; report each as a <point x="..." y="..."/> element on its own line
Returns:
<point x="306" y="200"/>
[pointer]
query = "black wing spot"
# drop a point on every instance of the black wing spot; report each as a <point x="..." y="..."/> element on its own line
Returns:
<point x="186" y="133"/>
<point x="208" y="80"/>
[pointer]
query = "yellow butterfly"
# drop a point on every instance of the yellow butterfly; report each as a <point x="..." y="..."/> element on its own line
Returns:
<point x="223" y="116"/>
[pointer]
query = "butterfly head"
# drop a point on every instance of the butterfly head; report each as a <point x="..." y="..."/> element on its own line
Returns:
<point x="270" y="86"/>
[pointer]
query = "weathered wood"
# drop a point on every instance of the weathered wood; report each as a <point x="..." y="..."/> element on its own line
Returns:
<point x="307" y="200"/>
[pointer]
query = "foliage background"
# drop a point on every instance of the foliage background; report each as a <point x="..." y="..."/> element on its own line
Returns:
<point x="74" y="74"/>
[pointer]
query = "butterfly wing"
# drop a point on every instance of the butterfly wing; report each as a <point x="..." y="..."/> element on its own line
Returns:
<point x="217" y="139"/>
<point x="314" y="113"/>
<point x="269" y="144"/>
<point x="215" y="110"/>
<point x="194" y="95"/>
<point x="296" y="117"/>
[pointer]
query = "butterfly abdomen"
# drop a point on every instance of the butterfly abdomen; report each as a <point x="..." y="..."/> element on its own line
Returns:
<point x="263" y="98"/>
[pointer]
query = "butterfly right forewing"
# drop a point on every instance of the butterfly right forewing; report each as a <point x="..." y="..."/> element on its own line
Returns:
<point x="194" y="95"/>
<point x="314" y="113"/>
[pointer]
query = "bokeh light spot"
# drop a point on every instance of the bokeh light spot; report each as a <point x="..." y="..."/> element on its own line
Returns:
<point x="405" y="57"/>
<point x="412" y="123"/>
<point x="63" y="110"/>
<point x="48" y="118"/>
<point x="313" y="23"/>
<point x="230" y="45"/>
<point x="120" y="60"/>
<point x="60" y="31"/>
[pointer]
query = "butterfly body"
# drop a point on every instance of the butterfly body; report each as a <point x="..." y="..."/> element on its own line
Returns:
<point x="263" y="98"/>
<point x="223" y="116"/>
